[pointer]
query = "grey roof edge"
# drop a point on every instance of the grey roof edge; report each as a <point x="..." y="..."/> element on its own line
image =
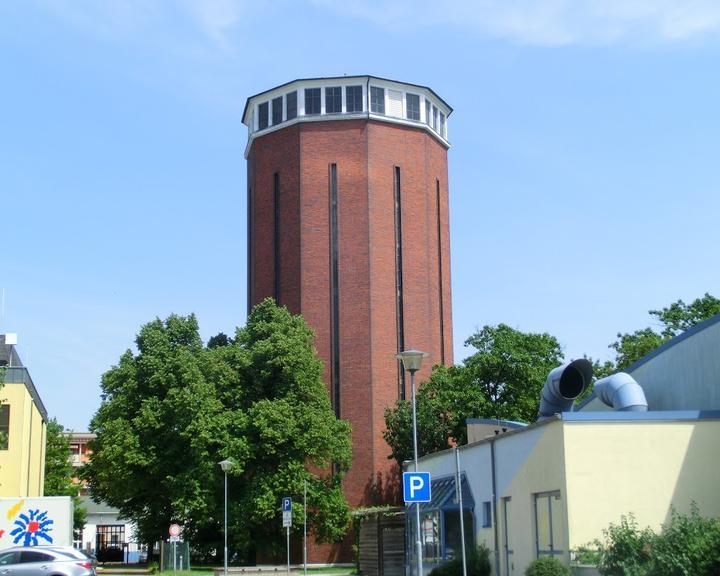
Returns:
<point x="699" y="327"/>
<point x="368" y="76"/>
<point x="649" y="416"/>
<point x="500" y="422"/>
<point x="27" y="380"/>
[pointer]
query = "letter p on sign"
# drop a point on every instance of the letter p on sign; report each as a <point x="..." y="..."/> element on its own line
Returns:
<point x="416" y="487"/>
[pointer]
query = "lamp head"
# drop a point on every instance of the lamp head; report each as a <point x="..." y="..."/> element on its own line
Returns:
<point x="226" y="465"/>
<point x="411" y="359"/>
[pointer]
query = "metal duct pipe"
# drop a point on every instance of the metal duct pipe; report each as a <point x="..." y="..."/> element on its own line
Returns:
<point x="622" y="392"/>
<point x="563" y="385"/>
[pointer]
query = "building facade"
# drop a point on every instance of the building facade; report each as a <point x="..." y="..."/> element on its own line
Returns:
<point x="552" y="487"/>
<point x="348" y="226"/>
<point x="23" y="425"/>
<point x="107" y="535"/>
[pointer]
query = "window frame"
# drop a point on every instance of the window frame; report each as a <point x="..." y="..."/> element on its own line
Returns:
<point x="291" y="112"/>
<point x="4" y="426"/>
<point x="357" y="98"/>
<point x="314" y="100"/>
<point x="273" y="117"/>
<point x="263" y="115"/>
<point x="415" y="108"/>
<point x="538" y="499"/>
<point x="377" y="106"/>
<point x="335" y="96"/>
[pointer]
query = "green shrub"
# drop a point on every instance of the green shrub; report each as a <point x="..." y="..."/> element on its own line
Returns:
<point x="547" y="566"/>
<point x="626" y="550"/>
<point x="478" y="564"/>
<point x="689" y="545"/>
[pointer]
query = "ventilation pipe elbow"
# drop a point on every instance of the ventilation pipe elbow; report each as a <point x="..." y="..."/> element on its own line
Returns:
<point x="622" y="393"/>
<point x="563" y="385"/>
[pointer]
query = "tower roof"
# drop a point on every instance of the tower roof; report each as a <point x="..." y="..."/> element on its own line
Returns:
<point x="347" y="98"/>
<point x="344" y="78"/>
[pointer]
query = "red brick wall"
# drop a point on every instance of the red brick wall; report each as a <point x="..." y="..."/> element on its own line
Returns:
<point x="366" y="154"/>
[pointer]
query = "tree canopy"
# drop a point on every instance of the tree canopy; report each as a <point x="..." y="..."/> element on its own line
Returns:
<point x="674" y="319"/>
<point x="502" y="379"/>
<point x="173" y="410"/>
<point x="59" y="472"/>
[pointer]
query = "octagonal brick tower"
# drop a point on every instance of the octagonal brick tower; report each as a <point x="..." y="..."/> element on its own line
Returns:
<point x="348" y="226"/>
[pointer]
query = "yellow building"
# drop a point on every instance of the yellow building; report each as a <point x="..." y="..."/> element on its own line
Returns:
<point x="646" y="442"/>
<point x="551" y="487"/>
<point x="23" y="423"/>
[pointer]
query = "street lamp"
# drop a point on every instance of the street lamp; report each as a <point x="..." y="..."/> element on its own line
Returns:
<point x="225" y="465"/>
<point x="412" y="360"/>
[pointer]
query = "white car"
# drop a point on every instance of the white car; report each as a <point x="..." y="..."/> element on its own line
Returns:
<point x="46" y="560"/>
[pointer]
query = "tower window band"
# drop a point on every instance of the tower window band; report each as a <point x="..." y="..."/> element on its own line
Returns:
<point x="334" y="290"/>
<point x="399" y="319"/>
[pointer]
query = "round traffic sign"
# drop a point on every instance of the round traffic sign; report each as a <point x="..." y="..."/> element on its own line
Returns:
<point x="174" y="530"/>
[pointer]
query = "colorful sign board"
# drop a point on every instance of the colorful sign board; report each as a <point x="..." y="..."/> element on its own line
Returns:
<point x="36" y="521"/>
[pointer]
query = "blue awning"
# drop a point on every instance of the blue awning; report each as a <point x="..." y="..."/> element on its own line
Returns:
<point x="444" y="495"/>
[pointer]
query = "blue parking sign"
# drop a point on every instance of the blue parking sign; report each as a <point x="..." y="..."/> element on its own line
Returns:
<point x="287" y="504"/>
<point x="416" y="487"/>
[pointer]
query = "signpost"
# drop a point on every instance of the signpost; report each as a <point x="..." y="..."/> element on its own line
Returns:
<point x="416" y="487"/>
<point x="174" y="532"/>
<point x="287" y="522"/>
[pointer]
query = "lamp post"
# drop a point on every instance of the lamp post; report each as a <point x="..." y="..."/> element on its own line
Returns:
<point x="225" y="465"/>
<point x="412" y="360"/>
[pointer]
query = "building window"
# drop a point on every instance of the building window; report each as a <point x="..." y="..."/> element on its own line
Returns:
<point x="4" y="426"/>
<point x="435" y="117"/>
<point x="427" y="112"/>
<point x="353" y="99"/>
<point x="333" y="100"/>
<point x="377" y="100"/>
<point x="263" y="116"/>
<point x="442" y="124"/>
<point x="291" y="99"/>
<point x="548" y="524"/>
<point x="412" y="102"/>
<point x="277" y="110"/>
<point x="486" y="514"/>
<point x="312" y="100"/>
<point x="430" y="537"/>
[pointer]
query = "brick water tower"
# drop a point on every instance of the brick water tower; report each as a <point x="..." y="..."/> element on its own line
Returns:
<point x="348" y="226"/>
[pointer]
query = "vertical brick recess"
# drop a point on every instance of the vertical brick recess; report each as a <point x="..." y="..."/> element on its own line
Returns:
<point x="366" y="153"/>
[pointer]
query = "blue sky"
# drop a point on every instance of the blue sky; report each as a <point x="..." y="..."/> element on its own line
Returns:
<point x="583" y="170"/>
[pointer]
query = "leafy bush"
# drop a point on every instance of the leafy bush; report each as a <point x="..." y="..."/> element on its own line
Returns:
<point x="688" y="545"/>
<point x="626" y="551"/>
<point x="547" y="567"/>
<point x="478" y="564"/>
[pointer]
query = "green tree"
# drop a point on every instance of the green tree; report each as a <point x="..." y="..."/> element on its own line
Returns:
<point x="173" y="410"/>
<point x="502" y="379"/>
<point x="673" y="320"/>
<point x="510" y="368"/>
<point x="443" y="404"/>
<point x="59" y="472"/>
